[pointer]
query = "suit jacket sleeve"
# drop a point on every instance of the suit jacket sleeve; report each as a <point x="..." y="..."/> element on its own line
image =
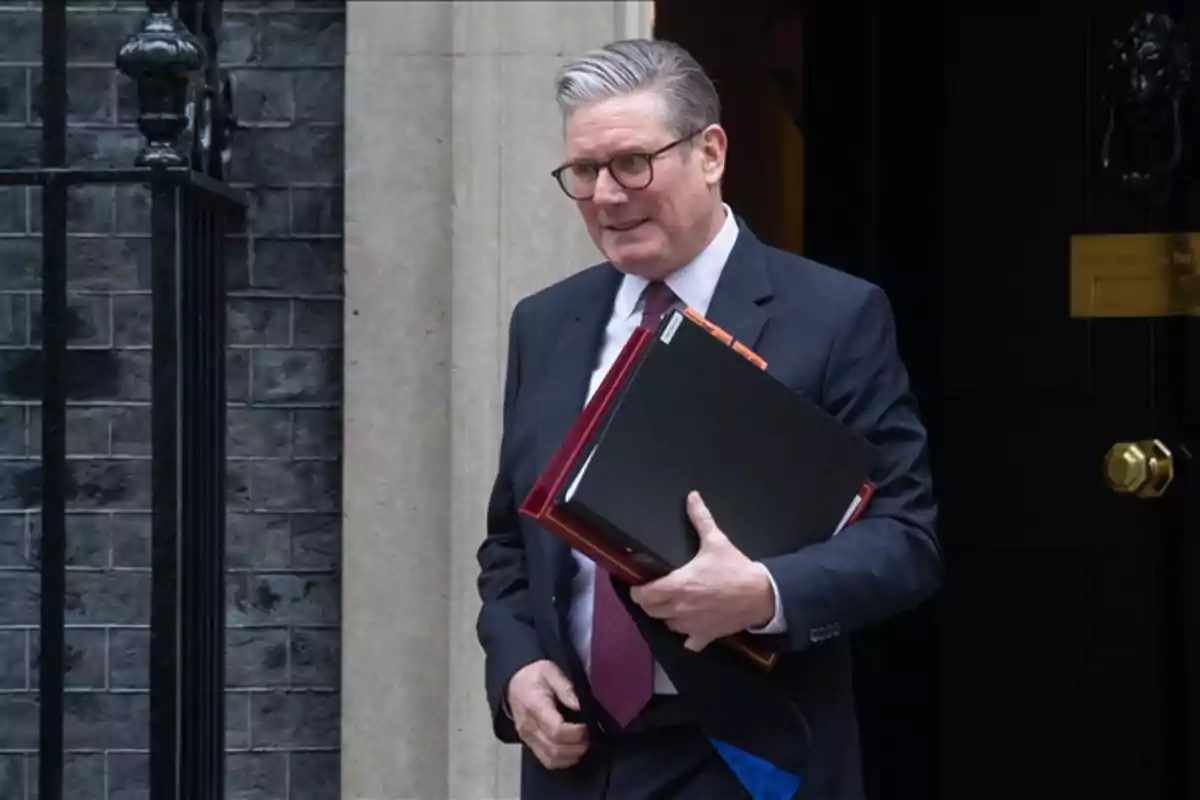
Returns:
<point x="505" y="625"/>
<point x="889" y="560"/>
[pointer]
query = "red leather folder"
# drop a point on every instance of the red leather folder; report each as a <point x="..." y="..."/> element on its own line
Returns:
<point x="540" y="503"/>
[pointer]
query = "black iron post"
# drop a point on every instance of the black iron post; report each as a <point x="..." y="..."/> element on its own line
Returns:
<point x="160" y="58"/>
<point x="53" y="554"/>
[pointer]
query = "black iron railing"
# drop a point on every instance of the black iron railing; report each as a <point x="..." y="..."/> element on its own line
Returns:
<point x="183" y="105"/>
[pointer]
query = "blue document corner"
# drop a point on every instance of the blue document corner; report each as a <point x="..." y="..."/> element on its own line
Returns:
<point x="762" y="779"/>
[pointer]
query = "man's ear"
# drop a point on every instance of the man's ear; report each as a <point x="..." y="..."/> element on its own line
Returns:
<point x="712" y="146"/>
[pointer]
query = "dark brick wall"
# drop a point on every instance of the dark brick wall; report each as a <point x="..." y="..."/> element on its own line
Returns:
<point x="284" y="435"/>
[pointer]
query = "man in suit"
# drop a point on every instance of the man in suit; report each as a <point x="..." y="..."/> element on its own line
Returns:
<point x="567" y="673"/>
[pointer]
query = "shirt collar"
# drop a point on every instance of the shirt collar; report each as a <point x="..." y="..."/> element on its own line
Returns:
<point x="695" y="282"/>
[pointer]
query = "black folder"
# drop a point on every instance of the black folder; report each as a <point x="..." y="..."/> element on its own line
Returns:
<point x="697" y="412"/>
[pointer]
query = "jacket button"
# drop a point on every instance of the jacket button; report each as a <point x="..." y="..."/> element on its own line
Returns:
<point x="824" y="632"/>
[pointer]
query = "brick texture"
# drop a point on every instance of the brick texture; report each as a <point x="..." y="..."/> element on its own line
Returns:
<point x="284" y="434"/>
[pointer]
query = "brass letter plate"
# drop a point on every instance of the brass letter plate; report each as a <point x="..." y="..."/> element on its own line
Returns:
<point x="1135" y="275"/>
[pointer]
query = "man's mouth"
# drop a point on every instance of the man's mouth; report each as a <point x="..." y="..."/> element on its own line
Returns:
<point x="625" y="226"/>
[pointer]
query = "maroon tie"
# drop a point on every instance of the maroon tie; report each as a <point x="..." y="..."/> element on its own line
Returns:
<point x="655" y="301"/>
<point x="622" y="673"/>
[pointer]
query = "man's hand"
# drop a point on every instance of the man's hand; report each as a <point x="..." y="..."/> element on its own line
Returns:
<point x="531" y="694"/>
<point x="718" y="593"/>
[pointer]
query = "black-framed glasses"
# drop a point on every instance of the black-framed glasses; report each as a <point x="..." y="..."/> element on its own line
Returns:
<point x="631" y="171"/>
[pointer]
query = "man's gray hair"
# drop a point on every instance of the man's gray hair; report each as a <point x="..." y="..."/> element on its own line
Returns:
<point x="634" y="65"/>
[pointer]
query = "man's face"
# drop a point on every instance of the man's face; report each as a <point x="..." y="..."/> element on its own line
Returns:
<point x="654" y="230"/>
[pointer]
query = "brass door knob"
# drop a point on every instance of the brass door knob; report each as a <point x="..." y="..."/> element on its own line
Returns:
<point x="1144" y="469"/>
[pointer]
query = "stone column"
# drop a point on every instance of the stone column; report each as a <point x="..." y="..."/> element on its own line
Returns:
<point x="451" y="217"/>
<point x="396" y="460"/>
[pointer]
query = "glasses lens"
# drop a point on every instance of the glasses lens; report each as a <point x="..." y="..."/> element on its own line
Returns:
<point x="632" y="170"/>
<point x="578" y="180"/>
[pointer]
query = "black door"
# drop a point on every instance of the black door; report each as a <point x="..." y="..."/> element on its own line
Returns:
<point x="955" y="157"/>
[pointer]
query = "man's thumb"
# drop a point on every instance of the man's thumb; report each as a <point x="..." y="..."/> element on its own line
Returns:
<point x="562" y="688"/>
<point x="702" y="518"/>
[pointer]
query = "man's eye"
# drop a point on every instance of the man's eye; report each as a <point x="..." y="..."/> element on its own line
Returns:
<point x="583" y="171"/>
<point x="630" y="163"/>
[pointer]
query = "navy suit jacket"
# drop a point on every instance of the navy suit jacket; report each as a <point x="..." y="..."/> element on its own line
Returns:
<point x="825" y="334"/>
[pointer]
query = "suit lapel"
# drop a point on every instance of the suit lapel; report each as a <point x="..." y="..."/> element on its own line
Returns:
<point x="737" y="304"/>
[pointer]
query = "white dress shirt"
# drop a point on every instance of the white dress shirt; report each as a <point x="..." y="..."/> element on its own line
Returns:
<point x="694" y="285"/>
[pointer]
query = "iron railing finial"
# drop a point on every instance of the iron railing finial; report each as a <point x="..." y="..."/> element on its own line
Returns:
<point x="161" y="57"/>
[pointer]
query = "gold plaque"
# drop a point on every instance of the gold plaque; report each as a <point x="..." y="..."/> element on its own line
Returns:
<point x="1135" y="275"/>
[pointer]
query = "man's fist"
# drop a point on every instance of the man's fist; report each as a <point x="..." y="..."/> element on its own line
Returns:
<point x="531" y="700"/>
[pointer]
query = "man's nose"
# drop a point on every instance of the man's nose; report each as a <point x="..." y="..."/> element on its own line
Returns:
<point x="608" y="191"/>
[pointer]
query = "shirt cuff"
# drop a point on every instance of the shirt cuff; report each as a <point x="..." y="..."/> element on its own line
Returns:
<point x="778" y="623"/>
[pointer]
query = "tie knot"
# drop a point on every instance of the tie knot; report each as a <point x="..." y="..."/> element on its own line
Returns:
<point x="655" y="301"/>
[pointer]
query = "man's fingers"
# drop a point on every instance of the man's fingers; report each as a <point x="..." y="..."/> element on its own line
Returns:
<point x="539" y="704"/>
<point x="563" y="750"/>
<point x="537" y="715"/>
<point x="555" y="730"/>
<point x="659" y="594"/>
<point x="555" y="742"/>
<point x="537" y="718"/>
<point x="556" y="745"/>
<point x="646" y="594"/>
<point x="662" y="609"/>
<point x="562" y="688"/>
<point x="567" y="733"/>
<point x="668" y="600"/>
<point x="558" y="757"/>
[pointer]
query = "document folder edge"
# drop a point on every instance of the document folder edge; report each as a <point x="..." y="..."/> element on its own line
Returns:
<point x="540" y="505"/>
